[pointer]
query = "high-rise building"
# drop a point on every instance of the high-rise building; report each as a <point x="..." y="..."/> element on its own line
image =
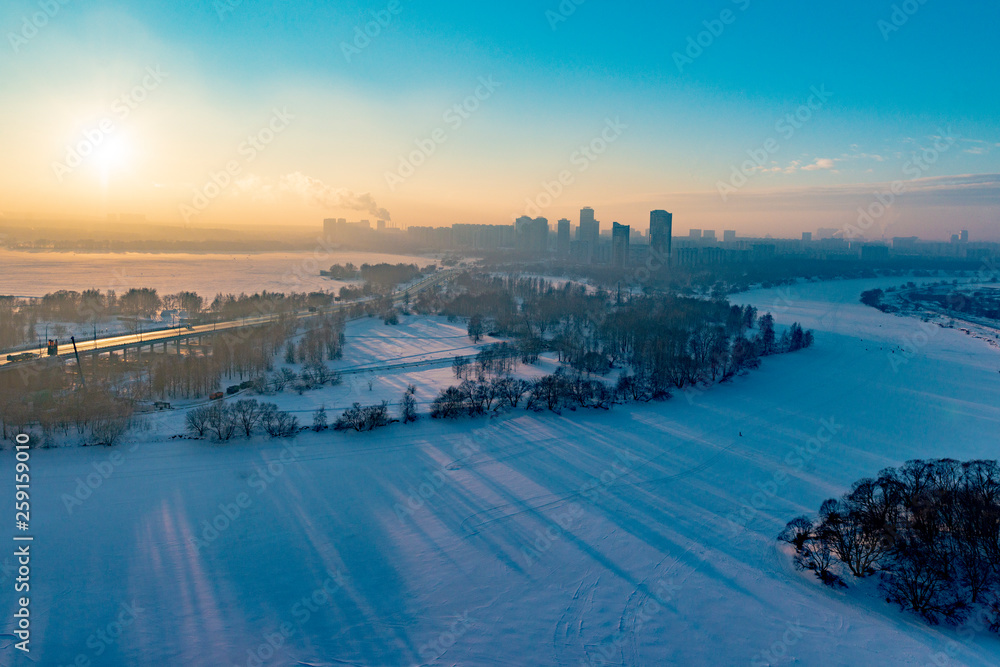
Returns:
<point x="540" y="236"/>
<point x="729" y="235"/>
<point x="694" y="233"/>
<point x="620" y="235"/>
<point x="807" y="237"/>
<point x="964" y="236"/>
<point x="588" y="233"/>
<point x="532" y="235"/>
<point x="708" y="235"/>
<point x="589" y="229"/>
<point x="562" y="237"/>
<point x="661" y="229"/>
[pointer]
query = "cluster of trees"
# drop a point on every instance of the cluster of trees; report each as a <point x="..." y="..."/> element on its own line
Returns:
<point x="325" y="340"/>
<point x="930" y="528"/>
<point x="492" y="360"/>
<point x="364" y="417"/>
<point x="315" y="374"/>
<point x="100" y="415"/>
<point x="16" y="322"/>
<point x="551" y="392"/>
<point x="245" y="417"/>
<point x="385" y="277"/>
<point x="379" y="279"/>
<point x="244" y="353"/>
<point x="369" y="417"/>
<point x="670" y="340"/>
<point x="660" y="342"/>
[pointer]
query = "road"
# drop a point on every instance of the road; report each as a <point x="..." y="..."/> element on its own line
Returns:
<point x="138" y="339"/>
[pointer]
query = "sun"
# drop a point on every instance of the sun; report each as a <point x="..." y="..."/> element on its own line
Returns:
<point x="112" y="156"/>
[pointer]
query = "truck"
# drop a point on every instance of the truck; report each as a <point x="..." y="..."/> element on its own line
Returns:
<point x="215" y="396"/>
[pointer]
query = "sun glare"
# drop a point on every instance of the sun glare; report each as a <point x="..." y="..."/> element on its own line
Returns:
<point x="113" y="156"/>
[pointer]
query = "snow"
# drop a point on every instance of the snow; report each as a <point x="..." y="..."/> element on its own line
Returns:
<point x="640" y="536"/>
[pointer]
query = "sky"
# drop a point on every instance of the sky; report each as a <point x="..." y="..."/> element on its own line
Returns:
<point x="767" y="118"/>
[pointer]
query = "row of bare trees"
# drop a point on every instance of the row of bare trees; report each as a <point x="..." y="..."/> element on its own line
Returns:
<point x="224" y="420"/>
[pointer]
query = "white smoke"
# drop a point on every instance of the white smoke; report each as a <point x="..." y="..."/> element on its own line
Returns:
<point x="329" y="197"/>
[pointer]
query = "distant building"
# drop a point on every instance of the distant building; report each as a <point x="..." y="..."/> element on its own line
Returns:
<point x="964" y="236"/>
<point x="904" y="243"/>
<point x="826" y="233"/>
<point x="532" y="235"/>
<point x="708" y="235"/>
<point x="874" y="252"/>
<point x="954" y="238"/>
<point x="694" y="233"/>
<point x="563" y="236"/>
<point x="620" y="235"/>
<point x="729" y="235"/>
<point x="807" y="237"/>
<point x="380" y="225"/>
<point x="589" y="230"/>
<point x="588" y="234"/>
<point x="661" y="226"/>
<point x="338" y="230"/>
<point x="483" y="237"/>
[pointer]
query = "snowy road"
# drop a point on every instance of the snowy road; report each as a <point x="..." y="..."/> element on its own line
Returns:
<point x="638" y="537"/>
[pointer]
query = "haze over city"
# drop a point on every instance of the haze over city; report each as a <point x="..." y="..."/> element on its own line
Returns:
<point x="453" y="113"/>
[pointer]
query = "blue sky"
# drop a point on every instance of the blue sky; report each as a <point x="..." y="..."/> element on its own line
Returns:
<point x="356" y="117"/>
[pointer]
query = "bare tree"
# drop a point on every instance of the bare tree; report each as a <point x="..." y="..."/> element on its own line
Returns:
<point x="247" y="413"/>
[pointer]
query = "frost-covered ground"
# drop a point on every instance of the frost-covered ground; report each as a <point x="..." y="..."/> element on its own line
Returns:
<point x="38" y="273"/>
<point x="643" y="536"/>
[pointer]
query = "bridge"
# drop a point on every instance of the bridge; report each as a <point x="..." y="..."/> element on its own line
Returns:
<point x="174" y="336"/>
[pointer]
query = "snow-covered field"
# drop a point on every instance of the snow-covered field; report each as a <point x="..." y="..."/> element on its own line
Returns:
<point x="644" y="536"/>
<point x="38" y="273"/>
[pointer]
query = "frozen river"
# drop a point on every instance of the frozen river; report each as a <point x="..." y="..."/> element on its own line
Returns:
<point x="38" y="273"/>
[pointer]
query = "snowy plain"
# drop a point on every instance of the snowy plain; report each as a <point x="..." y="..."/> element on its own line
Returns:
<point x="640" y="536"/>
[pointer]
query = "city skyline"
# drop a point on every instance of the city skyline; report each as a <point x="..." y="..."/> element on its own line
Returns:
<point x="230" y="113"/>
